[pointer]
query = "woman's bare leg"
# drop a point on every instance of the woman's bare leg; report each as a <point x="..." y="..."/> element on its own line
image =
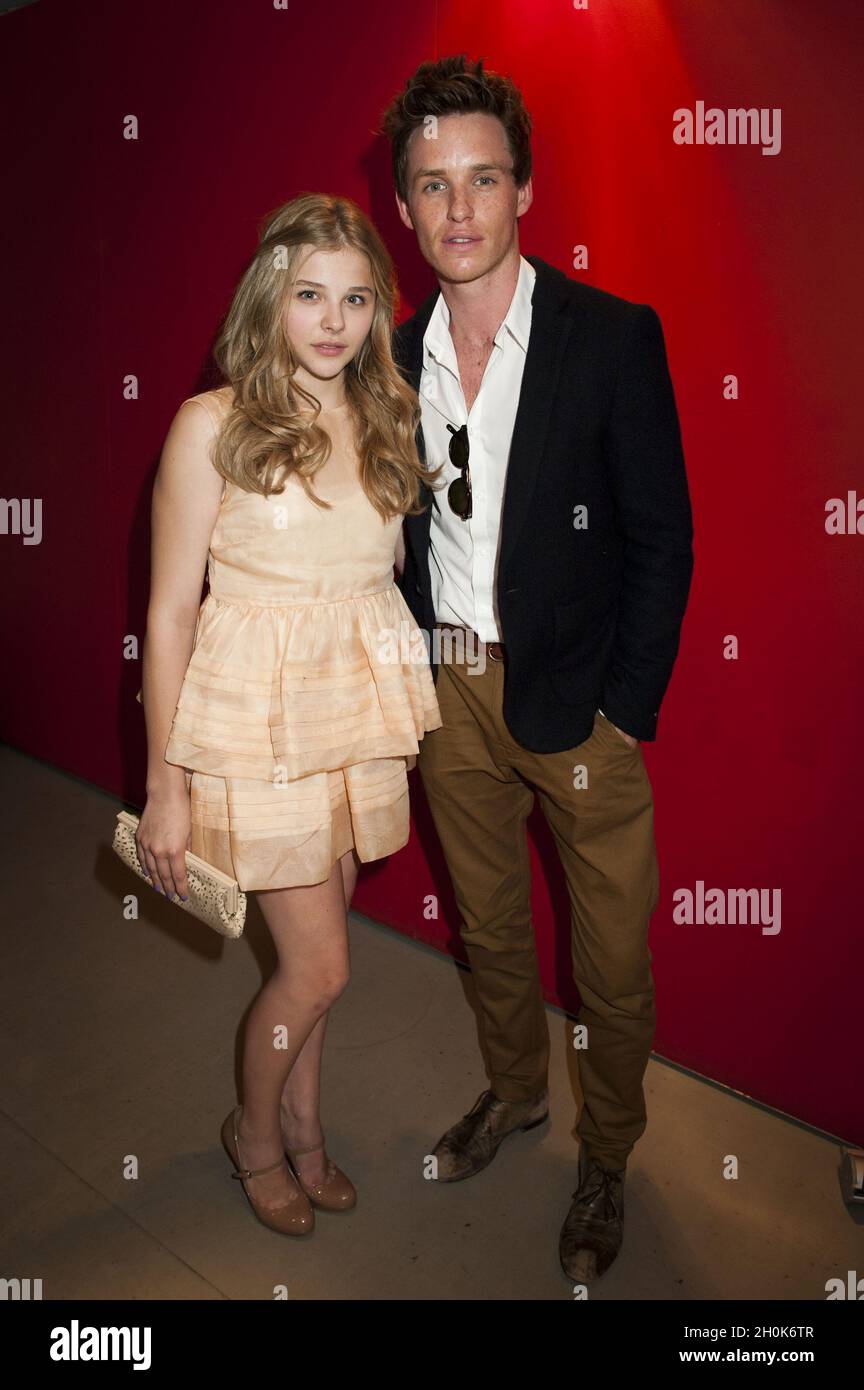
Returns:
<point x="309" y="930"/>
<point x="300" y="1105"/>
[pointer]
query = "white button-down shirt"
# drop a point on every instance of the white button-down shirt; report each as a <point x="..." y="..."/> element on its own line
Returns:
<point x="463" y="555"/>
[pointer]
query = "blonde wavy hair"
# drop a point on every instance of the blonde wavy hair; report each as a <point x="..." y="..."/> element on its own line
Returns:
<point x="264" y="438"/>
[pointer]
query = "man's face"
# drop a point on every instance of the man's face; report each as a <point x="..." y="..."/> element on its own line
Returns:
<point x="462" y="199"/>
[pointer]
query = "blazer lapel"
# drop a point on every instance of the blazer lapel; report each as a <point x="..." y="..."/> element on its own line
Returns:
<point x="550" y="330"/>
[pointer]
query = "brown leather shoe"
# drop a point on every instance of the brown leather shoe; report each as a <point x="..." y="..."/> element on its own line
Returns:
<point x="472" y="1143"/>
<point x="296" y="1218"/>
<point x="336" y="1193"/>
<point x="593" y="1229"/>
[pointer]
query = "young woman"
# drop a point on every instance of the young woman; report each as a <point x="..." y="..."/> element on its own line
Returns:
<point x="283" y="712"/>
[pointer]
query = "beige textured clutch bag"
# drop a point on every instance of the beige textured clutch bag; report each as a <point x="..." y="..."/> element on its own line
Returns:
<point x="214" y="897"/>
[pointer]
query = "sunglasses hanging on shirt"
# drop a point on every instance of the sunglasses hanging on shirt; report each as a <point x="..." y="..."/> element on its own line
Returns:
<point x="459" y="491"/>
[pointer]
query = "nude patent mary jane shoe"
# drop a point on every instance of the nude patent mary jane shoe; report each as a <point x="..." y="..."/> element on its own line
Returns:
<point x="336" y="1193"/>
<point x="296" y="1218"/>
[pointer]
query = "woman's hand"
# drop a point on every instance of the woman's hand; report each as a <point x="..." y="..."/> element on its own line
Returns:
<point x="164" y="834"/>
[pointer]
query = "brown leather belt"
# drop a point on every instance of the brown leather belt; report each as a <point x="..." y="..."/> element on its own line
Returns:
<point x="494" y="650"/>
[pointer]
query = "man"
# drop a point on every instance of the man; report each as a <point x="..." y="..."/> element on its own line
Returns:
<point x="559" y="555"/>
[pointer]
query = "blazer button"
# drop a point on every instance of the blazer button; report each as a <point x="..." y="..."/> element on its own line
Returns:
<point x="417" y="587"/>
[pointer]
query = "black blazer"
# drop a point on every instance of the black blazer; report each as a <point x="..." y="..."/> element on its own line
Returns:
<point x="590" y="617"/>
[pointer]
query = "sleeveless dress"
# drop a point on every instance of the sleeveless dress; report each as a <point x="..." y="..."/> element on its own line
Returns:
<point x="309" y="685"/>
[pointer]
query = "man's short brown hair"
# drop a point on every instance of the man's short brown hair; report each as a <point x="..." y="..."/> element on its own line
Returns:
<point x="455" y="86"/>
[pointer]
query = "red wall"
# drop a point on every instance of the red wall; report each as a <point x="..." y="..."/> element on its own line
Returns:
<point x="122" y="256"/>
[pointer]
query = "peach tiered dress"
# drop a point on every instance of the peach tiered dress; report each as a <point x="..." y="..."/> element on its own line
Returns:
<point x="309" y="685"/>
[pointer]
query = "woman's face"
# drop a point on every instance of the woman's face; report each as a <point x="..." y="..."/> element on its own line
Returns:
<point x="329" y="312"/>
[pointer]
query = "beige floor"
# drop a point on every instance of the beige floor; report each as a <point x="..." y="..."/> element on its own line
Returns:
<point x="121" y="1038"/>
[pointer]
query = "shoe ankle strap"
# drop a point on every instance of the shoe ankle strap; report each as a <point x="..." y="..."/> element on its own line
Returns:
<point x="256" y="1172"/>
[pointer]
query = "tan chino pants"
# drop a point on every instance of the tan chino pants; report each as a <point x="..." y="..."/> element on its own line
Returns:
<point x="480" y="785"/>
